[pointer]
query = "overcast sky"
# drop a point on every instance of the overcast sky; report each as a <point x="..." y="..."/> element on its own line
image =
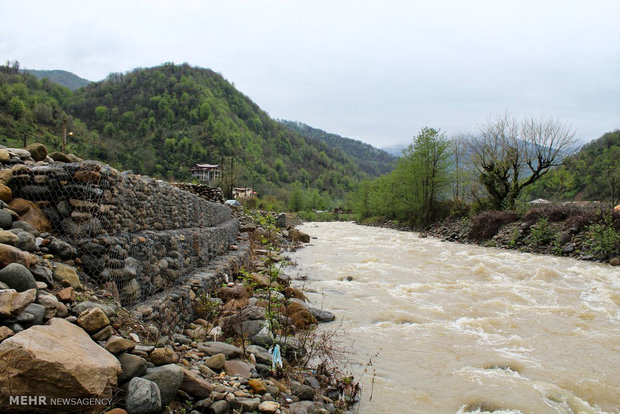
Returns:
<point x="377" y="71"/>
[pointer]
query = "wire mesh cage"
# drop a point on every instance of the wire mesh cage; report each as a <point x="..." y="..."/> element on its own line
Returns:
<point x="133" y="235"/>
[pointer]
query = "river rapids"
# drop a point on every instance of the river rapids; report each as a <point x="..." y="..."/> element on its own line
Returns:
<point x="436" y="327"/>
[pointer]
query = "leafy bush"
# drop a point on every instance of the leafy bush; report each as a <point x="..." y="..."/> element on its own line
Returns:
<point x="541" y="233"/>
<point x="479" y="206"/>
<point x="316" y="216"/>
<point x="604" y="240"/>
<point x="459" y="209"/>
<point x="486" y="224"/>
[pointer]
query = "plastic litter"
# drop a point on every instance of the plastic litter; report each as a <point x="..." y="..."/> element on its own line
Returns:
<point x="276" y="359"/>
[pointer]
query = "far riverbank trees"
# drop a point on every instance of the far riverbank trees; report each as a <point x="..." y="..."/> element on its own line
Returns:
<point x="492" y="169"/>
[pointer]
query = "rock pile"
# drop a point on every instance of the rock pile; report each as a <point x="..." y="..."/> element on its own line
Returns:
<point x="132" y="232"/>
<point x="66" y="341"/>
<point x="213" y="194"/>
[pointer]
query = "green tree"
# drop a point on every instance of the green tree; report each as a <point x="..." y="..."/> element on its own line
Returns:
<point x="101" y="112"/>
<point x="431" y="156"/>
<point x="560" y="182"/>
<point x="17" y="108"/>
<point x="296" y="200"/>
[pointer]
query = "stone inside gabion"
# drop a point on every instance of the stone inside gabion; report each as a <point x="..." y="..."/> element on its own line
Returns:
<point x="135" y="234"/>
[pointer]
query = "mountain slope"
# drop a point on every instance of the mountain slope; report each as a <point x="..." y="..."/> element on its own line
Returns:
<point x="371" y="160"/>
<point x="593" y="173"/>
<point x="160" y="121"/>
<point x="35" y="110"/>
<point x="61" y="77"/>
<point x="395" y="150"/>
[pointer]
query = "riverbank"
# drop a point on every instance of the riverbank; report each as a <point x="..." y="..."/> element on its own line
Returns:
<point x="123" y="294"/>
<point x="583" y="234"/>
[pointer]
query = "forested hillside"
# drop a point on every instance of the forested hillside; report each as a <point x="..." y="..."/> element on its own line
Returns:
<point x="593" y="173"/>
<point x="160" y="121"/>
<point x="35" y="110"/>
<point x="371" y="160"/>
<point x="61" y="77"/>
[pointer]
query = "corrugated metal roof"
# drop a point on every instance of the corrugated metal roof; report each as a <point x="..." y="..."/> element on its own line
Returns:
<point x="204" y="166"/>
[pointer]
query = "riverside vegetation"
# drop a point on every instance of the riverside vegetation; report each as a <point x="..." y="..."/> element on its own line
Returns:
<point x="475" y="189"/>
<point x="73" y="336"/>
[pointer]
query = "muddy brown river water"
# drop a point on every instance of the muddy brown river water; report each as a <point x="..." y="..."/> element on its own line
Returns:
<point x="454" y="328"/>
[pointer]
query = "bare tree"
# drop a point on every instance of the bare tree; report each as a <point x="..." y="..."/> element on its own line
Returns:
<point x="458" y="145"/>
<point x="509" y="154"/>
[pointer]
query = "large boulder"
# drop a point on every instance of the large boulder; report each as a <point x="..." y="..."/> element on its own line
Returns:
<point x="239" y="368"/>
<point x="6" y="219"/>
<point x="213" y="347"/>
<point x="194" y="385"/>
<point x="132" y="366"/>
<point x="168" y="378"/>
<point x="10" y="254"/>
<point x="6" y="174"/>
<point x="288" y="220"/>
<point x="58" y="360"/>
<point x="59" y="157"/>
<point x="18" y="277"/>
<point x="143" y="397"/>
<point x="12" y="303"/>
<point x="31" y="213"/>
<point x="299" y="236"/>
<point x="93" y="320"/>
<point x="300" y="315"/>
<point x="38" y="152"/>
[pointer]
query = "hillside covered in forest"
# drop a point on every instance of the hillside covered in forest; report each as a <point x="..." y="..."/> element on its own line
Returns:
<point x="371" y="160"/>
<point x="592" y="173"/>
<point x="62" y="77"/>
<point x="160" y="121"/>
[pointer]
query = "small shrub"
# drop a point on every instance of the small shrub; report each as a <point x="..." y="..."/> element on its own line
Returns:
<point x="459" y="209"/>
<point x="541" y="233"/>
<point x="480" y="206"/>
<point x="486" y="224"/>
<point x="206" y="307"/>
<point x="604" y="240"/>
<point x="515" y="237"/>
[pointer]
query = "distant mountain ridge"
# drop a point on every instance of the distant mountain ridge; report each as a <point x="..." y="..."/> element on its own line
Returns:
<point x="372" y="161"/>
<point x="395" y="150"/>
<point x="61" y="77"/>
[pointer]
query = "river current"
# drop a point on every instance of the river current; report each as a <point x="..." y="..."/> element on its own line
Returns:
<point x="453" y="328"/>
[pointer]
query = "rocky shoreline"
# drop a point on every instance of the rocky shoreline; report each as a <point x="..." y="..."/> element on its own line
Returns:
<point x="566" y="236"/>
<point x="223" y="332"/>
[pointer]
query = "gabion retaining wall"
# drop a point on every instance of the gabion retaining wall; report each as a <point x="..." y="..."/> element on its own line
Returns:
<point x="135" y="234"/>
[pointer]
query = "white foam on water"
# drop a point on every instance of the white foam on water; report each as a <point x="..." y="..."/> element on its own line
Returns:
<point x="432" y="309"/>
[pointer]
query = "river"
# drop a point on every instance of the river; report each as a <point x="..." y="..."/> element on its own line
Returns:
<point x="453" y="328"/>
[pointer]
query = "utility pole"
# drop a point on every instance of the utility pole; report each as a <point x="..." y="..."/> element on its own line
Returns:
<point x="232" y="173"/>
<point x="64" y="136"/>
